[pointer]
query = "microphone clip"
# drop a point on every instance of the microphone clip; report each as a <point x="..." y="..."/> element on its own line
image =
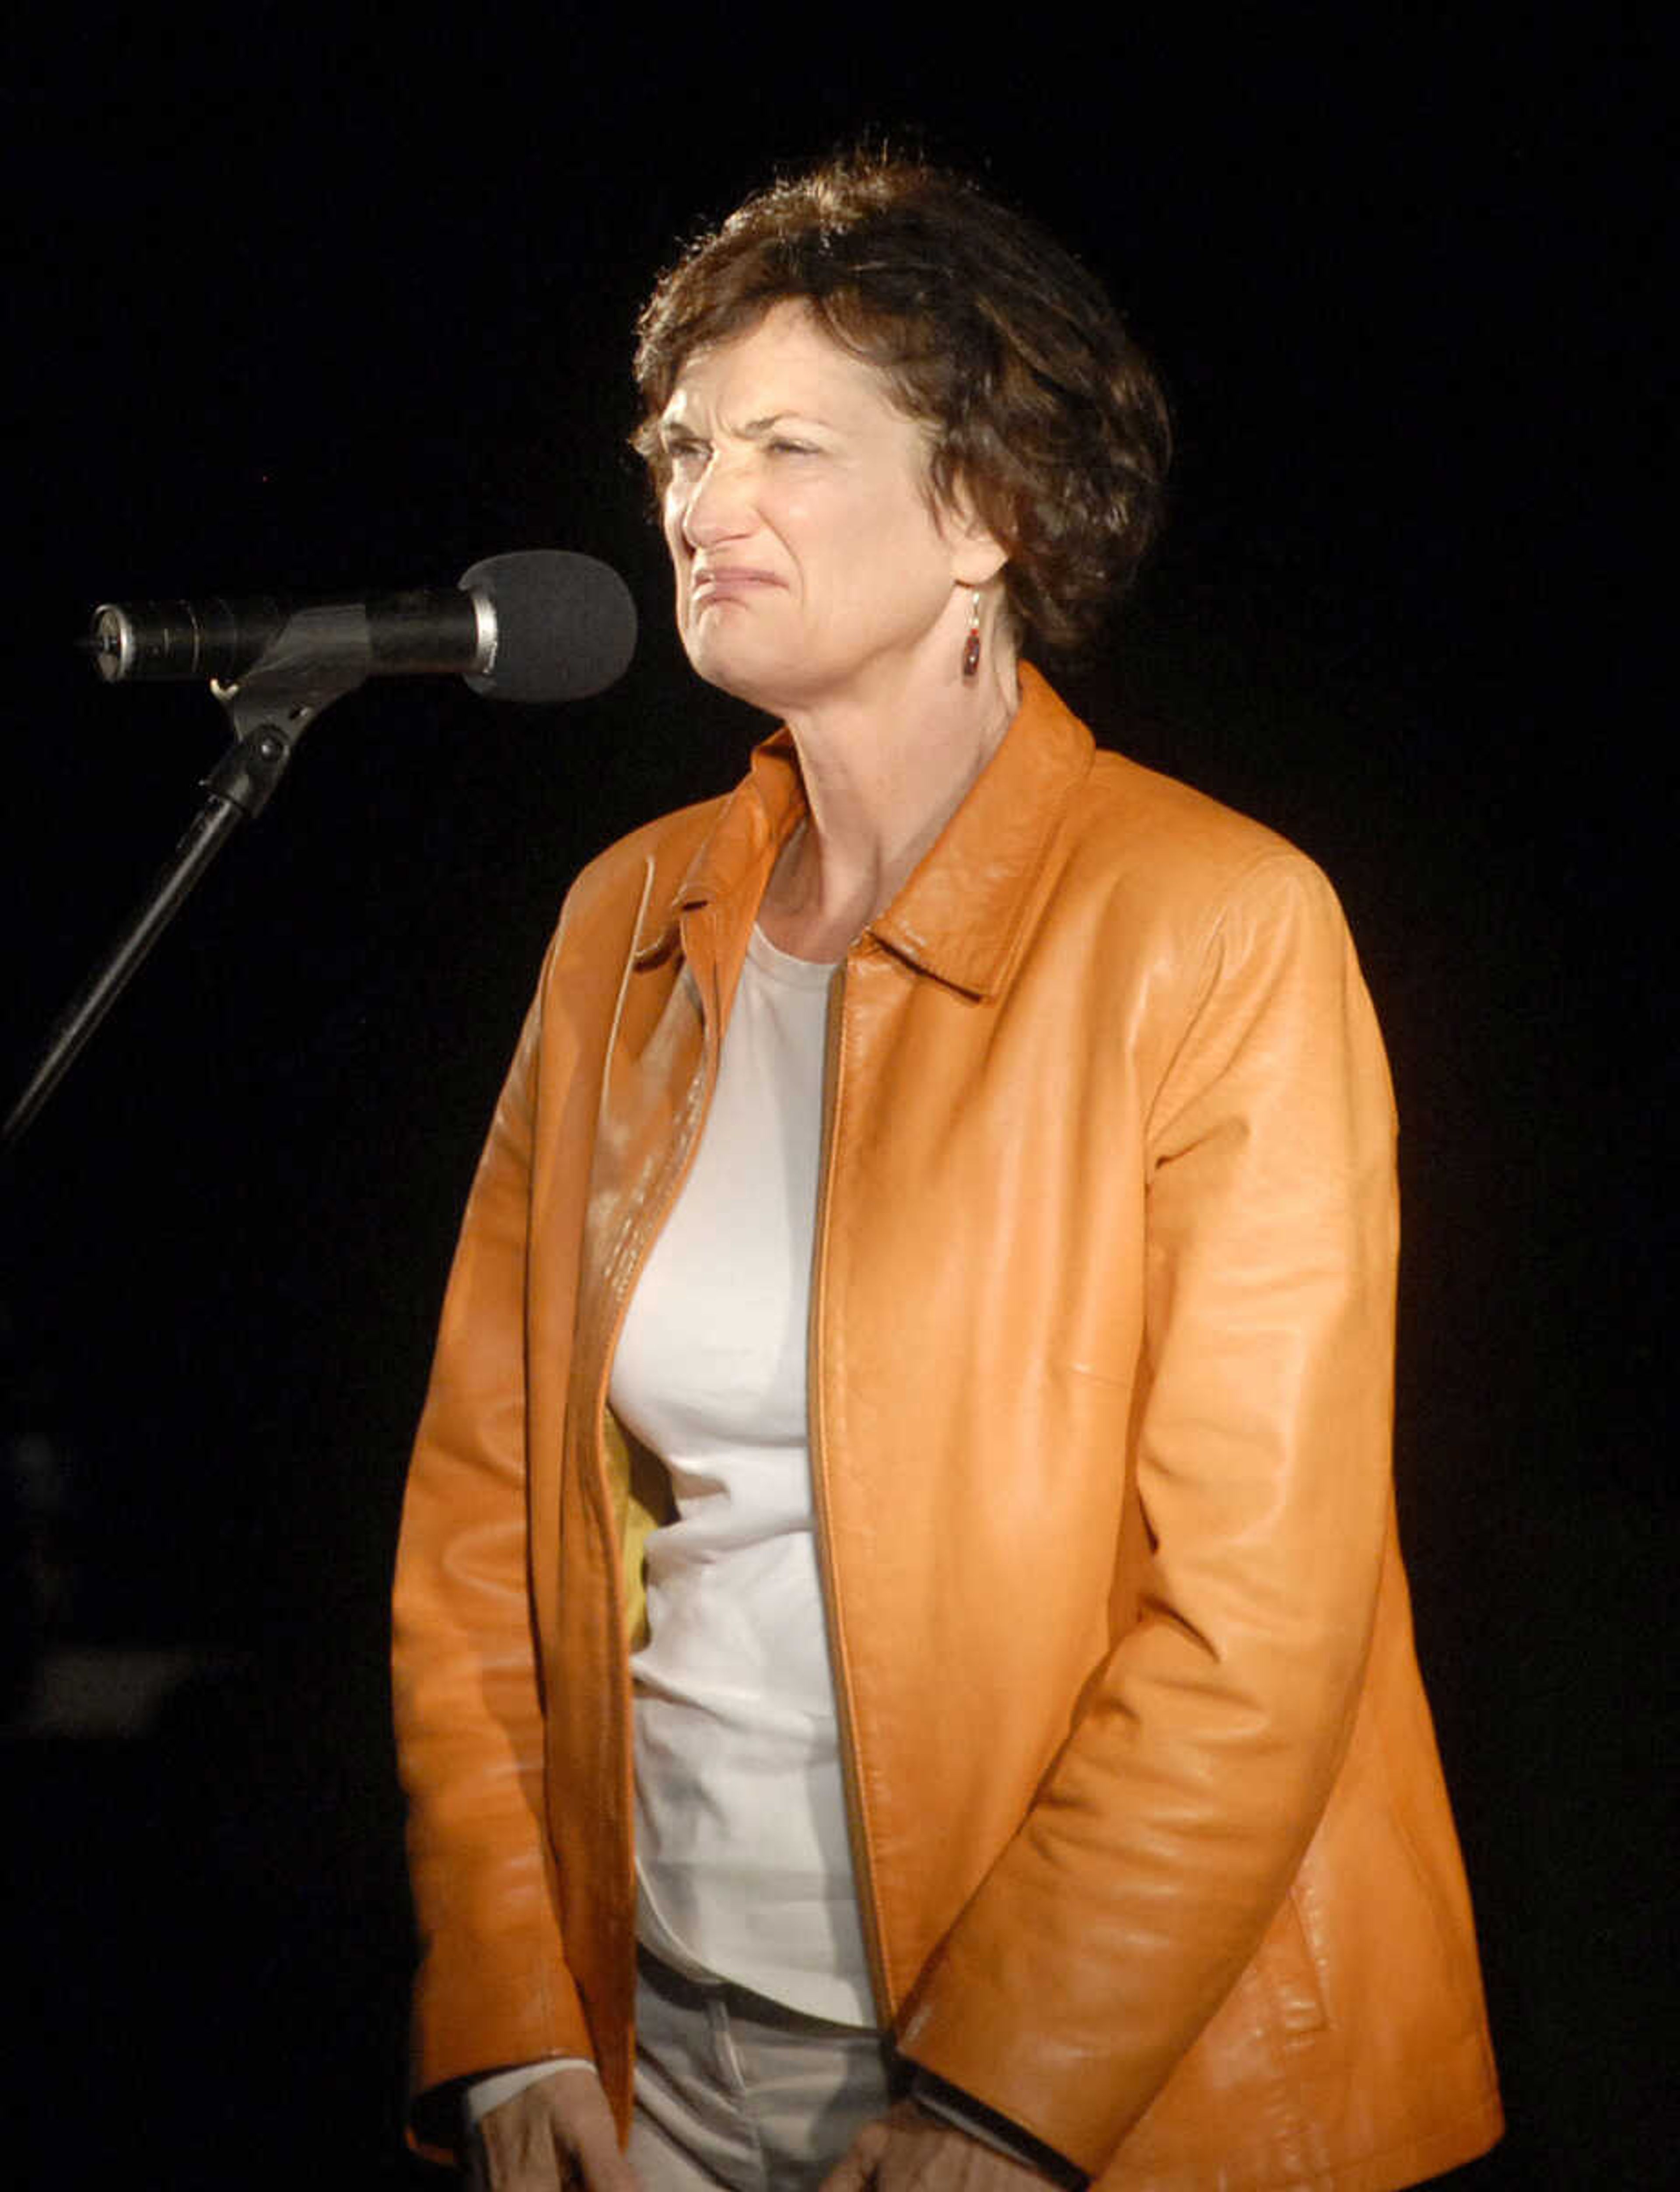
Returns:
<point x="318" y="658"/>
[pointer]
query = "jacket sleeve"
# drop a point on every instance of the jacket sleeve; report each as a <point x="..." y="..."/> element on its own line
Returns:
<point x="1166" y="1834"/>
<point x="493" y="1988"/>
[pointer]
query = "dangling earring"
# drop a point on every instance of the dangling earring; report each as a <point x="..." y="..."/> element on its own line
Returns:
<point x="971" y="644"/>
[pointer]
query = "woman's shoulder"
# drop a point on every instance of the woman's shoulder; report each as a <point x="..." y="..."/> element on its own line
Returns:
<point x="1123" y="813"/>
<point x="1167" y="857"/>
<point x="1173" y="824"/>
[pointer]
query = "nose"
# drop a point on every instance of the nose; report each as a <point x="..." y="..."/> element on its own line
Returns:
<point x="715" y="504"/>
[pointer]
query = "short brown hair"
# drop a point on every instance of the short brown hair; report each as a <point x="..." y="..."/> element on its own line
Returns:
<point x="1043" y="411"/>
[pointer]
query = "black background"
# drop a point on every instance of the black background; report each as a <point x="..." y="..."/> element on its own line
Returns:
<point x="304" y="305"/>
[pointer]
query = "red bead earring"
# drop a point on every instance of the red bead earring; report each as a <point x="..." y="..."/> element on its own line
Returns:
<point x="971" y="644"/>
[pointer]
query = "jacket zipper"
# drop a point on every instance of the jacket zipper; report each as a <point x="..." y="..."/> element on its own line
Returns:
<point x="862" y="1877"/>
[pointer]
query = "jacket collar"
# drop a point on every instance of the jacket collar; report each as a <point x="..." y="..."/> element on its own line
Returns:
<point x="960" y="913"/>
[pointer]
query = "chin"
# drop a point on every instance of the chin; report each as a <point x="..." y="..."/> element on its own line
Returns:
<point x="732" y="670"/>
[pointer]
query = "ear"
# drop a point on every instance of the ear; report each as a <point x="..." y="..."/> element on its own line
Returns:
<point x="977" y="554"/>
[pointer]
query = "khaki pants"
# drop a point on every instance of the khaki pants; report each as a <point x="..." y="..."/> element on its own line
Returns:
<point x="735" y="2090"/>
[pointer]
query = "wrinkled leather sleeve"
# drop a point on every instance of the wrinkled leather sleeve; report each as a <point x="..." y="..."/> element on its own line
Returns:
<point x="493" y="1987"/>
<point x="1167" y="1834"/>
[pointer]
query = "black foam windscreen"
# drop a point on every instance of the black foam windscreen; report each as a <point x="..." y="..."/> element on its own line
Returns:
<point x="566" y="625"/>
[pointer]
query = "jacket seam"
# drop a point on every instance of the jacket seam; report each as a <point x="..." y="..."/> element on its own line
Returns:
<point x="1217" y="919"/>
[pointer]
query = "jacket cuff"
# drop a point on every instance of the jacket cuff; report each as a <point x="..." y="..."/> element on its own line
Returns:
<point x="951" y="2105"/>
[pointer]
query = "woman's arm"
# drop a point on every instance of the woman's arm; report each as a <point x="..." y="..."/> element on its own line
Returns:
<point x="1165" y="1835"/>
<point x="494" y="1986"/>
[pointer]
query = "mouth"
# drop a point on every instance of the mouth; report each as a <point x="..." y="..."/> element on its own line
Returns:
<point x="729" y="582"/>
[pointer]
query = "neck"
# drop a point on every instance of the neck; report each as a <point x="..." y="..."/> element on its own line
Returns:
<point x="882" y="783"/>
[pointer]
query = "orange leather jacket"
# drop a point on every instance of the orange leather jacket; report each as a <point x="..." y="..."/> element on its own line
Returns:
<point x="1153" y="1849"/>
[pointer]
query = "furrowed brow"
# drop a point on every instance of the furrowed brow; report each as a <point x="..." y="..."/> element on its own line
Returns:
<point x="755" y="430"/>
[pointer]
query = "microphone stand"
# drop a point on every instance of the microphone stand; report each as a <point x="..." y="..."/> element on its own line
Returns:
<point x="321" y="655"/>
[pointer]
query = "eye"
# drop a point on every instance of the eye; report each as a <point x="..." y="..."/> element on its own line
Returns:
<point x="684" y="454"/>
<point x="783" y="447"/>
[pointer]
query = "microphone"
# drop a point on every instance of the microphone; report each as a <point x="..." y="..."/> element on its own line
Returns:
<point x="540" y="625"/>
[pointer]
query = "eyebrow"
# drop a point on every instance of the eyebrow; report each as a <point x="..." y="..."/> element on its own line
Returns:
<point x="754" y="430"/>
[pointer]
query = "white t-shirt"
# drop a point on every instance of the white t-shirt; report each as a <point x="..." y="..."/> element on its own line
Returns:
<point x="743" y="1852"/>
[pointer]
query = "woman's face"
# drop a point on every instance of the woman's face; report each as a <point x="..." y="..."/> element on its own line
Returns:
<point x="812" y="565"/>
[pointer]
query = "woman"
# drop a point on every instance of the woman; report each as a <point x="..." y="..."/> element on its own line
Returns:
<point x="903" y="1661"/>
